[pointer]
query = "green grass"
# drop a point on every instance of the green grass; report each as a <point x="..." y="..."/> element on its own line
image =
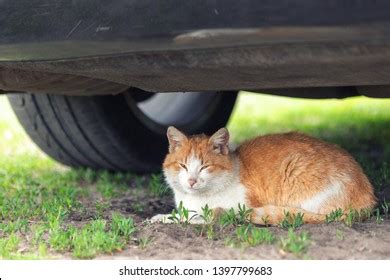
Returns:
<point x="181" y="215"/>
<point x="8" y="246"/>
<point x="144" y="242"/>
<point x="249" y="235"/>
<point x="296" y="243"/>
<point x="292" y="220"/>
<point x="334" y="216"/>
<point x="94" y="238"/>
<point x="232" y="217"/>
<point x="38" y="197"/>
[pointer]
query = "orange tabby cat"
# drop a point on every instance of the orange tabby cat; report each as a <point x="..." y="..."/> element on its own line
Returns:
<point x="271" y="174"/>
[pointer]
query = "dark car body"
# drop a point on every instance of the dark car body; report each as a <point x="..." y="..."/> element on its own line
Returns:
<point x="338" y="47"/>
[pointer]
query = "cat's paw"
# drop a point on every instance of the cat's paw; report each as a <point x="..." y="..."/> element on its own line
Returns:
<point x="161" y="218"/>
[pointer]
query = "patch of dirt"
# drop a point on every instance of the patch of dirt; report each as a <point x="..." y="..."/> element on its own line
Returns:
<point x="367" y="240"/>
<point x="332" y="241"/>
<point x="136" y="203"/>
<point x="143" y="206"/>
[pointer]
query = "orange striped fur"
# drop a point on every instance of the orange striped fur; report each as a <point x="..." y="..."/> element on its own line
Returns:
<point x="271" y="174"/>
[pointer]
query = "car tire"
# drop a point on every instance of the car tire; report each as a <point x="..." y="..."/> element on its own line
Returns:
<point x="117" y="132"/>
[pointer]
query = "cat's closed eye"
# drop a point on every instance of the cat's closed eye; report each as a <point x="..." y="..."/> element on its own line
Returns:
<point x="182" y="165"/>
<point x="204" y="167"/>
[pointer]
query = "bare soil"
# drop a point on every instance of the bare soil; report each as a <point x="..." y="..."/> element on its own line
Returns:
<point x="366" y="240"/>
<point x="362" y="241"/>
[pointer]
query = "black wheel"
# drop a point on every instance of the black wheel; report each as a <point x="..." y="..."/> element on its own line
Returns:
<point x="121" y="132"/>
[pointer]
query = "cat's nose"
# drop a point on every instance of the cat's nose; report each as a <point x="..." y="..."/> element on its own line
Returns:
<point x="192" y="181"/>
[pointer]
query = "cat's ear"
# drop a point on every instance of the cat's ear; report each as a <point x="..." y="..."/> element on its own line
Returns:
<point x="219" y="141"/>
<point x="175" y="138"/>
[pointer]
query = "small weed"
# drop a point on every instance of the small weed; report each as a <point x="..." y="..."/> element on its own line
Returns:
<point x="106" y="189"/>
<point x="378" y="217"/>
<point x="230" y="217"/>
<point x="9" y="246"/>
<point x="144" y="242"/>
<point x="353" y="216"/>
<point x="292" y="221"/>
<point x="101" y="207"/>
<point x="61" y="239"/>
<point x="55" y="219"/>
<point x="210" y="232"/>
<point x="122" y="226"/>
<point x="181" y="215"/>
<point x="334" y="216"/>
<point x="207" y="214"/>
<point x="295" y="243"/>
<point x="244" y="214"/>
<point x="249" y="235"/>
<point x="20" y="225"/>
<point x="208" y="228"/>
<point x="261" y="235"/>
<point x="385" y="208"/>
<point x="38" y="233"/>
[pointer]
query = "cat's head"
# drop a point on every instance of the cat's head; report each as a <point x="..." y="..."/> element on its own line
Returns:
<point x="199" y="163"/>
